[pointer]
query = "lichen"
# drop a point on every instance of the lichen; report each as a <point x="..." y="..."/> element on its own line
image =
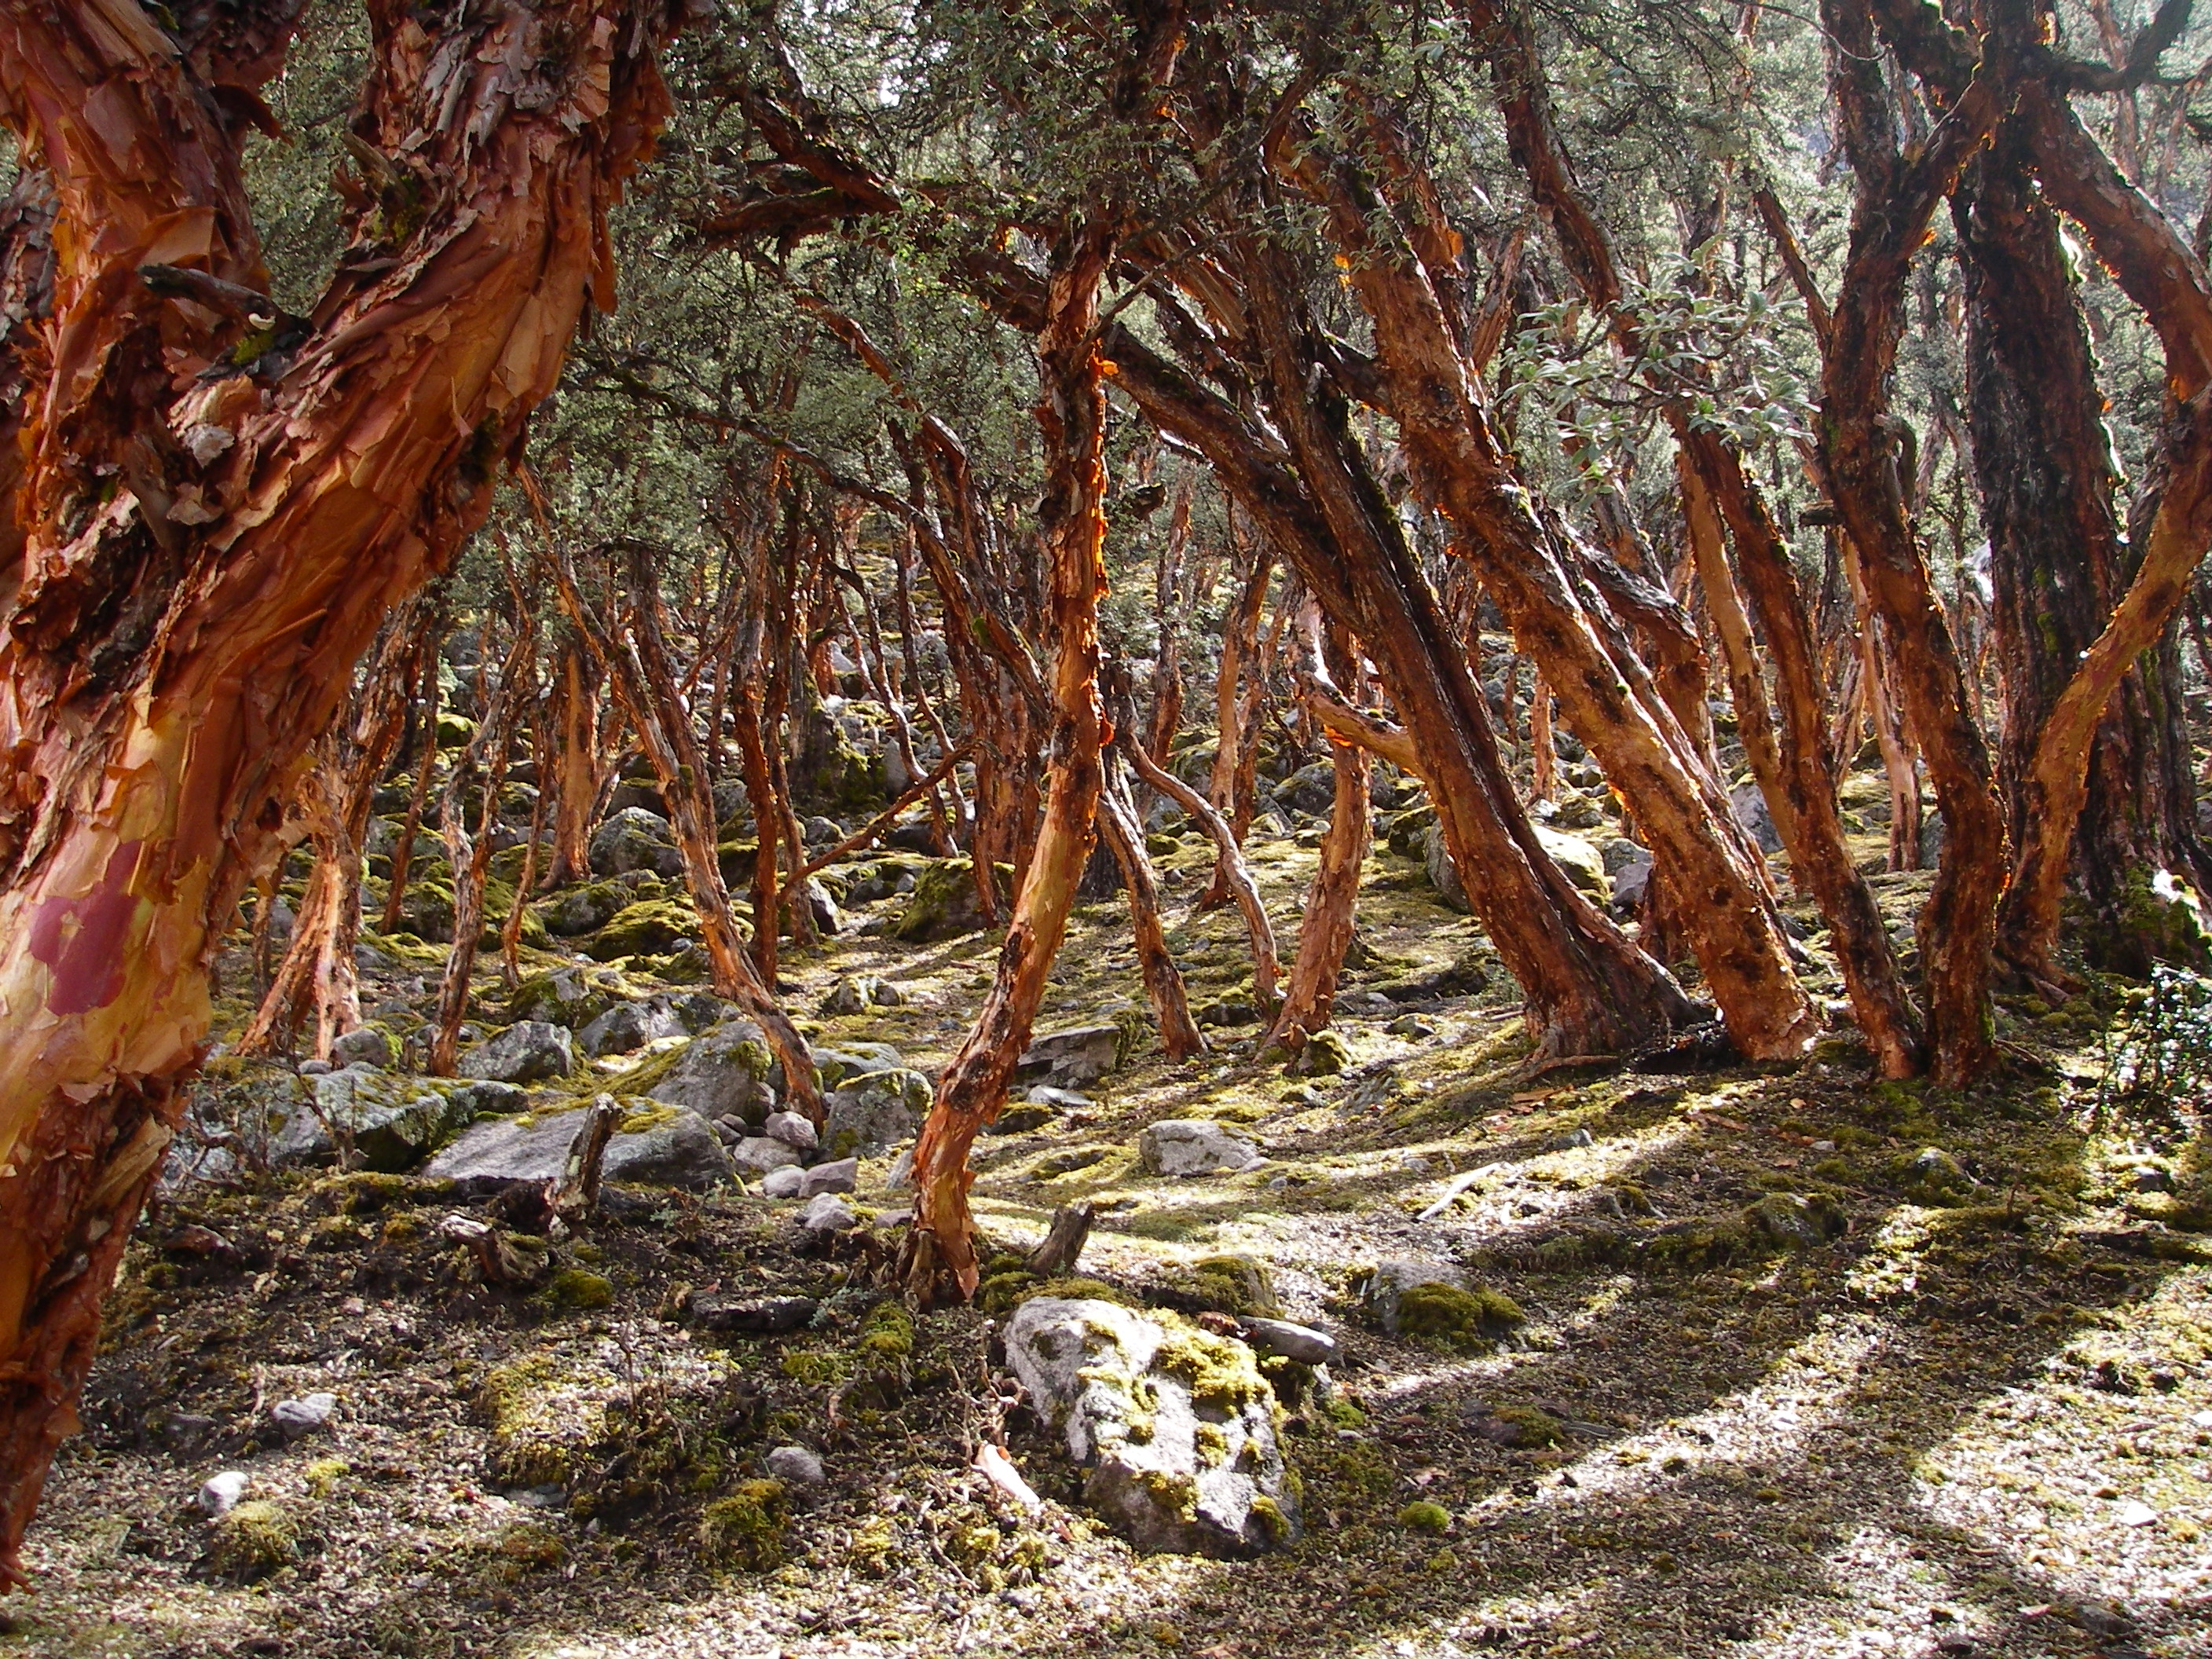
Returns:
<point x="1221" y="1373"/>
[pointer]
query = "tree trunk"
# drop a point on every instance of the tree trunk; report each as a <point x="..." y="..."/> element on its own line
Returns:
<point x="574" y="784"/>
<point x="938" y="1264"/>
<point x="1543" y="758"/>
<point x="1331" y="909"/>
<point x="186" y="629"/>
<point x="1119" y="828"/>
<point x="402" y="846"/>
<point x="1240" y="648"/>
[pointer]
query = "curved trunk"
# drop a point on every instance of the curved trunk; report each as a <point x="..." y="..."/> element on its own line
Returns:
<point x="1118" y="826"/>
<point x="576" y="783"/>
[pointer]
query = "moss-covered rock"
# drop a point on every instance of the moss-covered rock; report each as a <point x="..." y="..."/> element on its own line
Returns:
<point x="945" y="903"/>
<point x="1465" y="1321"/>
<point x="746" y="1529"/>
<point x="574" y="1287"/>
<point x="1324" y="1053"/>
<point x="252" y="1541"/>
<point x="651" y="927"/>
<point x="1218" y="1284"/>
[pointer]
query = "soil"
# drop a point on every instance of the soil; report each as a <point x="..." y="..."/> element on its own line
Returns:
<point x="1968" y="1411"/>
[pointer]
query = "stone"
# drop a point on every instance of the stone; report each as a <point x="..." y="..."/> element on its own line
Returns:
<point x="943" y="905"/>
<point x="1792" y="1218"/>
<point x="1619" y="853"/>
<point x="1309" y="789"/>
<point x="568" y="996"/>
<point x="795" y="1466"/>
<point x="1632" y="884"/>
<point x="219" y="1493"/>
<point x="900" y="1177"/>
<point x="1176" y="1426"/>
<point x="1302" y="1343"/>
<point x="792" y="1130"/>
<point x="826" y="1213"/>
<point x="486" y="1098"/>
<point x="634" y="839"/>
<point x="316" y="1067"/>
<point x="1581" y="862"/>
<point x="295" y="1418"/>
<point x="1072" y="1059"/>
<point x="1061" y="1100"/>
<point x="1195" y="1146"/>
<point x="873" y="1112"/>
<point x="1443" y="875"/>
<point x="724" y="1072"/>
<point x="840" y="1176"/>
<point x="770" y="1316"/>
<point x="1411" y="1025"/>
<point x="1382" y="1287"/>
<point x="1748" y="803"/>
<point x="789" y="1182"/>
<point x="391" y="1124"/>
<point x="650" y="927"/>
<point x="1935" y="1177"/>
<point x="1579" y="812"/>
<point x="756" y="1155"/>
<point x="366" y="1045"/>
<point x="531" y="1051"/>
<point x="627" y="1027"/>
<point x="1228" y="1012"/>
<point x="855" y="994"/>
<point x="853" y="1060"/>
<point x="1019" y="1120"/>
<point x="822" y="908"/>
<point x="585" y="909"/>
<point x="681" y="1151"/>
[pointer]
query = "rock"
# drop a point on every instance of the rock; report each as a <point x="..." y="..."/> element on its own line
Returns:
<point x="725" y="1072"/>
<point x="1792" y="1218"/>
<point x="681" y="1151"/>
<point x="1411" y="1025"/>
<point x="1228" y="1012"/>
<point x="857" y="992"/>
<point x="770" y="1316"/>
<point x="391" y="1124"/>
<point x="650" y="927"/>
<point x="1443" y="876"/>
<point x="568" y="996"/>
<point x="826" y="1213"/>
<point x="756" y="1155"/>
<point x="1381" y="1288"/>
<point x="943" y="905"/>
<point x="1020" y="1121"/>
<point x="1749" y="806"/>
<point x="634" y="839"/>
<point x="792" y="1130"/>
<point x="1619" y="853"/>
<point x="822" y="908"/>
<point x="486" y="1098"/>
<point x="1631" y="884"/>
<point x="316" y="1067"/>
<point x="531" y="1052"/>
<point x="1322" y="1054"/>
<point x="852" y="1060"/>
<point x="1061" y="1100"/>
<point x="219" y="1494"/>
<point x="295" y="1418"/>
<point x="1302" y="1343"/>
<point x="1309" y="789"/>
<point x="1935" y="1177"/>
<point x="900" y="1177"/>
<point x="841" y="1177"/>
<point x="1581" y="862"/>
<point x="627" y="1027"/>
<point x="1175" y="1425"/>
<point x="584" y="910"/>
<point x="789" y="1182"/>
<point x="1193" y="1146"/>
<point x="871" y="1113"/>
<point x="253" y="1540"/>
<point x="795" y="1466"/>
<point x="1579" y="812"/>
<point x="364" y="1046"/>
<point x="1072" y="1059"/>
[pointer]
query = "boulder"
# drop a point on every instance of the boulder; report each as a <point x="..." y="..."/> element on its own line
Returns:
<point x="391" y="1124"/>
<point x="1632" y="884"/>
<point x="1309" y="789"/>
<point x="841" y="1176"/>
<point x="789" y="1182"/>
<point x="852" y="1060"/>
<point x="531" y="1051"/>
<point x="1381" y="1288"/>
<point x="634" y="839"/>
<point x="568" y="996"/>
<point x="792" y="1130"/>
<point x="756" y="1155"/>
<point x="1301" y="1343"/>
<point x="583" y="909"/>
<point x="1443" y="875"/>
<point x="1193" y="1146"/>
<point x="1583" y="864"/>
<point x="723" y="1073"/>
<point x="366" y="1045"/>
<point x="871" y="1113"/>
<point x="943" y="905"/>
<point x="1749" y="806"/>
<point x="1072" y="1059"/>
<point x="857" y="992"/>
<point x="486" y="1099"/>
<point x="1175" y="1424"/>
<point x="627" y="1027"/>
<point x="678" y="1150"/>
<point x="650" y="927"/>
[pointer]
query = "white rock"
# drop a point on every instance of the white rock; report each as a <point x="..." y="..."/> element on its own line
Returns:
<point x="2136" y="1513"/>
<point x="756" y="1155"/>
<point x="795" y="1466"/>
<point x="219" y="1494"/>
<point x="789" y="1182"/>
<point x="792" y="1130"/>
<point x="303" y="1416"/>
<point x="902" y="1172"/>
<point x="1193" y="1146"/>
<point x="826" y="1213"/>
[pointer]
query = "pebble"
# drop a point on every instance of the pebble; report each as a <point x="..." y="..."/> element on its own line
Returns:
<point x="792" y="1130"/>
<point x="219" y="1494"/>
<point x="826" y="1213"/>
<point x="298" y="1417"/>
<point x="787" y="1182"/>
<point x="2136" y="1513"/>
<point x="1302" y="1343"/>
<point x="795" y="1466"/>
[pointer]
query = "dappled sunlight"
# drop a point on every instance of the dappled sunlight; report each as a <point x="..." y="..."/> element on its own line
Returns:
<point x="1882" y="1596"/>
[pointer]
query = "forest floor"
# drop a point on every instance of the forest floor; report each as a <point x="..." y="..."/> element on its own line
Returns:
<point x="1976" y="1420"/>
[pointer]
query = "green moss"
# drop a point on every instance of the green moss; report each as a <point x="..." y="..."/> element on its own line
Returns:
<point x="544" y="1422"/>
<point x="1467" y="1320"/>
<point x="1273" y="1522"/>
<point x="815" y="1367"/>
<point x="888" y="1333"/>
<point x="1422" y="1516"/>
<point x="524" y="1548"/>
<point x="1081" y="1290"/>
<point x="324" y="1475"/>
<point x="1531" y="1428"/>
<point x="1221" y="1284"/>
<point x="253" y="1540"/>
<point x="650" y="927"/>
<point x="1221" y="1374"/>
<point x="1323" y="1055"/>
<point x="1001" y="1291"/>
<point x="573" y="1287"/>
<point x="746" y="1529"/>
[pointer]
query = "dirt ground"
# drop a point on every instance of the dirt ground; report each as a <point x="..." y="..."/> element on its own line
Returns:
<point x="1968" y="1411"/>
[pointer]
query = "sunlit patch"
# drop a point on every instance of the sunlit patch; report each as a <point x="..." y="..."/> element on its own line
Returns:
<point x="1891" y="1264"/>
<point x="1514" y="1195"/>
<point x="1878" y="1598"/>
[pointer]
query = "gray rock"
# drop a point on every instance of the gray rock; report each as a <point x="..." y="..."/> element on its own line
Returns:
<point x="792" y="1130"/>
<point x="681" y="1153"/>
<point x="795" y="1466"/>
<point x="826" y="1213"/>
<point x="634" y="839"/>
<point x="1791" y="1218"/>
<point x="1072" y="1059"/>
<point x="756" y="1155"/>
<point x="295" y="1418"/>
<point x="900" y="1177"/>
<point x="789" y="1182"/>
<point x="391" y="1124"/>
<point x="531" y="1051"/>
<point x="1380" y="1287"/>
<point x="770" y="1316"/>
<point x="1193" y="1146"/>
<point x="725" y="1072"/>
<point x="822" y="908"/>
<point x="853" y="1060"/>
<point x="1619" y="853"/>
<point x="219" y="1494"/>
<point x="485" y="1097"/>
<point x="316" y="1067"/>
<point x="585" y="909"/>
<point x="1749" y="806"/>
<point x="1061" y="1100"/>
<point x="1309" y="789"/>
<point x="1580" y="861"/>
<point x="1299" y="1342"/>
<point x="1443" y="875"/>
<point x="627" y="1027"/>
<point x="1631" y="882"/>
<point x="841" y="1177"/>
<point x="875" y="1111"/>
<point x="857" y="992"/>
<point x="364" y="1046"/>
<point x="1197" y="1475"/>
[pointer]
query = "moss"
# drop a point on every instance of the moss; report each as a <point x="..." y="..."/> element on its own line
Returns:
<point x="746" y="1529"/>
<point x="815" y="1367"/>
<point x="1531" y="1427"/>
<point x="1422" y="1516"/>
<point x="650" y="927"/>
<point x="324" y="1475"/>
<point x="1467" y="1321"/>
<point x="365" y="1192"/>
<point x="1221" y="1374"/>
<point x="543" y="1423"/>
<point x="1000" y="1291"/>
<point x="400" y="1231"/>
<point x="642" y="1117"/>
<point x="573" y="1287"/>
<point x="1081" y="1290"/>
<point x="1220" y="1284"/>
<point x="1273" y="1522"/>
<point x="888" y="1333"/>
<point x="524" y="1548"/>
<point x="1322" y="1054"/>
<point x="253" y="1540"/>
